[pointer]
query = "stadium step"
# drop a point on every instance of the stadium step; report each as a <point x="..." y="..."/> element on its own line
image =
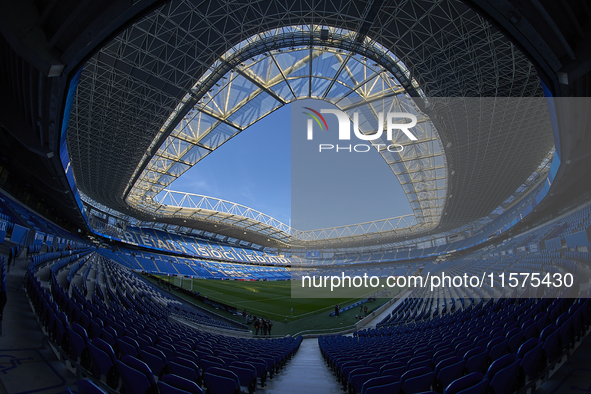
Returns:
<point x="305" y="373"/>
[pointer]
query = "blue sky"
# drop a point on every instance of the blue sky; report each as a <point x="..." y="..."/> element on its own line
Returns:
<point x="252" y="169"/>
<point x="255" y="169"/>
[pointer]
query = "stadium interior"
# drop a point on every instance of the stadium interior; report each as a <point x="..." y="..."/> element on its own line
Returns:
<point x="111" y="282"/>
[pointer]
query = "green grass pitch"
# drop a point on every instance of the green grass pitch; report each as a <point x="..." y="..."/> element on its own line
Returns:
<point x="272" y="299"/>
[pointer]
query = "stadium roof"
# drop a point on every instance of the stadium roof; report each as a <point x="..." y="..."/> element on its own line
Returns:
<point x="263" y="82"/>
<point x="129" y="136"/>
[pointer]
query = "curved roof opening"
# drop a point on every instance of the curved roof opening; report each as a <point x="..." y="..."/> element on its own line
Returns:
<point x="279" y="67"/>
<point x="255" y="169"/>
<point x="241" y="172"/>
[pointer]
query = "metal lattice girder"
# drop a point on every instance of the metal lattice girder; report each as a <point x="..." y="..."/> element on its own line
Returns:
<point x="282" y="76"/>
<point x="129" y="89"/>
<point x="292" y="73"/>
<point x="187" y="206"/>
<point x="367" y="229"/>
<point x="418" y="164"/>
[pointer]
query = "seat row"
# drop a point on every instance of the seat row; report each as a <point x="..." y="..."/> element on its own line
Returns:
<point x="505" y="341"/>
<point x="124" y="347"/>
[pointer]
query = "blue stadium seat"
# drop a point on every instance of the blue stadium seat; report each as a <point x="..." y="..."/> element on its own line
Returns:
<point x="502" y="373"/>
<point x="377" y="362"/>
<point x="210" y="362"/>
<point x="188" y="354"/>
<point x="217" y="384"/>
<point x="357" y="380"/>
<point x="78" y="350"/>
<point x="247" y="375"/>
<point x="388" y="388"/>
<point x="261" y="369"/>
<point x="514" y="342"/>
<point x="448" y="373"/>
<point x="464" y="383"/>
<point x="134" y="381"/>
<point x="165" y="388"/>
<point x="141" y="366"/>
<point x="379" y="381"/>
<point x="179" y="383"/>
<point x="397" y="371"/>
<point x="103" y="366"/>
<point x="168" y="350"/>
<point x="477" y="363"/>
<point x="88" y="387"/>
<point x="156" y="363"/>
<point x="184" y="371"/>
<point x="412" y="373"/>
<point x="418" y="384"/>
<point x="498" y="350"/>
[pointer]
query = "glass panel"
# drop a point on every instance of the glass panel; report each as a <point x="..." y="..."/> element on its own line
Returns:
<point x="195" y="154"/>
<point x="151" y="175"/>
<point x="408" y="188"/>
<point x="300" y="87"/>
<point x="292" y="62"/>
<point x="239" y="90"/>
<point x="266" y="70"/>
<point x="319" y="86"/>
<point x="166" y="179"/>
<point x="221" y="134"/>
<point x="178" y="169"/>
<point x="346" y="77"/>
<point x="201" y="124"/>
<point x="339" y="90"/>
<point x="397" y="168"/>
<point x="177" y="147"/>
<point x="159" y="163"/>
<point x="326" y="65"/>
<point x="282" y="90"/>
<point x="257" y="107"/>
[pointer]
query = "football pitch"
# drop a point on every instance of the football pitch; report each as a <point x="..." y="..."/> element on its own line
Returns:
<point x="272" y="300"/>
